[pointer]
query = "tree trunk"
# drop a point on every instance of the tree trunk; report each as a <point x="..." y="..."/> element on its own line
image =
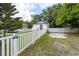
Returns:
<point x="4" y="33"/>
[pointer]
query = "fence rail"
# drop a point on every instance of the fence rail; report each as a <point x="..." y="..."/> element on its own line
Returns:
<point x="10" y="46"/>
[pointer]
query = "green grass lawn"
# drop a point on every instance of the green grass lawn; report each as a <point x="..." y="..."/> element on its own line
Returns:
<point x="47" y="46"/>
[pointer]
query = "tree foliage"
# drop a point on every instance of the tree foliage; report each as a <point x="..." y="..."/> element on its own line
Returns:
<point x="61" y="15"/>
<point x="8" y="22"/>
<point x="68" y="15"/>
<point x="48" y="15"/>
<point x="36" y="18"/>
<point x="29" y="25"/>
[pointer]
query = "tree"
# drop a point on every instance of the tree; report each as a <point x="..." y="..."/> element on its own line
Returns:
<point x="48" y="15"/>
<point x="60" y="15"/>
<point x="29" y="24"/>
<point x="68" y="15"/>
<point x="36" y="18"/>
<point x="8" y="22"/>
<point x="15" y="24"/>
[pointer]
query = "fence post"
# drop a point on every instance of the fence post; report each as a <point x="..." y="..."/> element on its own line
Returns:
<point x="15" y="45"/>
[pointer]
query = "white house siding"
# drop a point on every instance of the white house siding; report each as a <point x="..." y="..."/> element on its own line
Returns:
<point x="35" y="26"/>
<point x="45" y="26"/>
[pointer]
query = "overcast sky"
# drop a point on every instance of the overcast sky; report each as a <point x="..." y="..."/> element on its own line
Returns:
<point x="27" y="9"/>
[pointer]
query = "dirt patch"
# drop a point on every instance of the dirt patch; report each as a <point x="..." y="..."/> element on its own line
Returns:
<point x="76" y="46"/>
<point x="58" y="35"/>
<point x="60" y="46"/>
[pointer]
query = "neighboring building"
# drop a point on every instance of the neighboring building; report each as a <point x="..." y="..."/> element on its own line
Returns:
<point x="41" y="24"/>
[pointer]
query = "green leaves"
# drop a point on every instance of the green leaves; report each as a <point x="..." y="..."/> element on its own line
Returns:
<point x="8" y="22"/>
<point x="67" y="14"/>
<point x="28" y="24"/>
<point x="48" y="15"/>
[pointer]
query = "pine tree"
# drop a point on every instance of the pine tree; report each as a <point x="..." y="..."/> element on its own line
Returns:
<point x="8" y="21"/>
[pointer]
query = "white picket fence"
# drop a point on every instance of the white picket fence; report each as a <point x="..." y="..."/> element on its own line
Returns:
<point x="63" y="30"/>
<point x="11" y="46"/>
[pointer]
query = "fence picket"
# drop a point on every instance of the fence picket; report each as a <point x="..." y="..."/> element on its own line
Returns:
<point x="7" y="43"/>
<point x="20" y="42"/>
<point x="3" y="47"/>
<point x="11" y="47"/>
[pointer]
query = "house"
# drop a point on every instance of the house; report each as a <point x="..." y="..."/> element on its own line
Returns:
<point x="41" y="25"/>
